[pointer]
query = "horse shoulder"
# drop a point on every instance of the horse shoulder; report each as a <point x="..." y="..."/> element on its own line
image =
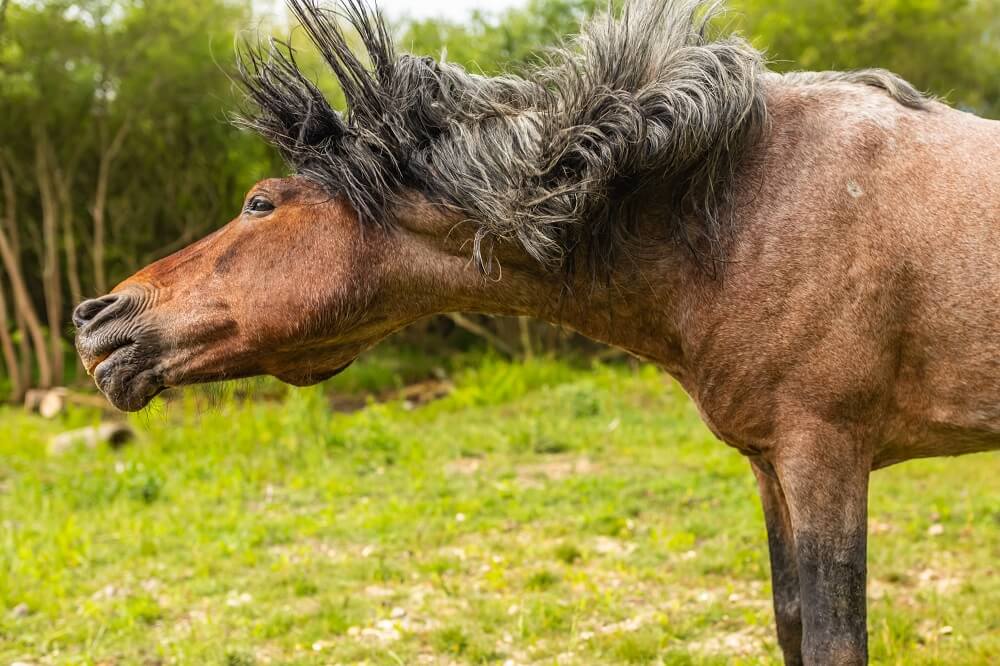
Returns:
<point x="863" y="288"/>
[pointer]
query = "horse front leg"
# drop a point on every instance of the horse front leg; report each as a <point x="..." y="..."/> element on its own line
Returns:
<point x="824" y="478"/>
<point x="784" y="568"/>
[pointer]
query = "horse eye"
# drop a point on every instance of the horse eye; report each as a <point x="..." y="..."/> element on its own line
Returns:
<point x="259" y="205"/>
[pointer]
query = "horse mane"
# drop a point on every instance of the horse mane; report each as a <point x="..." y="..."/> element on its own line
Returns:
<point x="640" y="104"/>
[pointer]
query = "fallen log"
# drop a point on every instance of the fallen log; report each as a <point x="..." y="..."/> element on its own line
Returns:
<point x="113" y="433"/>
<point x="53" y="401"/>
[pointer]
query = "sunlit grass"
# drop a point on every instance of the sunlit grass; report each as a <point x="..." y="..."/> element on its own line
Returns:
<point x="539" y="513"/>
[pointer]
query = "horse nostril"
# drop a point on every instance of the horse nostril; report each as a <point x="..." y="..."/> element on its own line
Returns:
<point x="86" y="312"/>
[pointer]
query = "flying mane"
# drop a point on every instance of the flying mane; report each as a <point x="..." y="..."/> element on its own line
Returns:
<point x="642" y="104"/>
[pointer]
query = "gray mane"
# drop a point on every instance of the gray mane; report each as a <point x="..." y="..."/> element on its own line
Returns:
<point x="640" y="105"/>
<point x="894" y="86"/>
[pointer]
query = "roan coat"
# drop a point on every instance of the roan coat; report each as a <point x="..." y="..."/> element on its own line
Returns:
<point x="815" y="256"/>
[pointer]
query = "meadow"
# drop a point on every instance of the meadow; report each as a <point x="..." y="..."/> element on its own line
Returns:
<point x="539" y="513"/>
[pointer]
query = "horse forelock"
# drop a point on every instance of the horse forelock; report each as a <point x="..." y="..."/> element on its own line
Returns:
<point x="639" y="104"/>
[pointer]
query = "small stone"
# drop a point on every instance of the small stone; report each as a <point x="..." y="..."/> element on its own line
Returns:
<point x="107" y="592"/>
<point x="20" y="610"/>
<point x="937" y="529"/>
<point x="237" y="600"/>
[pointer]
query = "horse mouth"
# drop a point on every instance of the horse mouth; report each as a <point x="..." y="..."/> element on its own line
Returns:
<point x="125" y="377"/>
<point x="99" y="359"/>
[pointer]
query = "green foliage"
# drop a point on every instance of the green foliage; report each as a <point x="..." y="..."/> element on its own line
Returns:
<point x="568" y="553"/>
<point x="491" y="43"/>
<point x="541" y="580"/>
<point x="450" y="640"/>
<point x="76" y="73"/>
<point x="264" y="543"/>
<point x="947" y="47"/>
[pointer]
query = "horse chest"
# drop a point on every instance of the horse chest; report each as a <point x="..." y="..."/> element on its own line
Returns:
<point x="743" y="422"/>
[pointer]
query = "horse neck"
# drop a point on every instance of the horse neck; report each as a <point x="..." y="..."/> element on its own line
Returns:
<point x="637" y="304"/>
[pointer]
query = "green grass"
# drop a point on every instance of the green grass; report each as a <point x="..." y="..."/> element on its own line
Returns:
<point x="541" y="513"/>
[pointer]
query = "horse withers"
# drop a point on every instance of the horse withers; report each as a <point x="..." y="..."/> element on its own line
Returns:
<point x="814" y="256"/>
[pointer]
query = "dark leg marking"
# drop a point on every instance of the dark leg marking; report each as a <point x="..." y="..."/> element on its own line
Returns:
<point x="826" y="489"/>
<point x="784" y="568"/>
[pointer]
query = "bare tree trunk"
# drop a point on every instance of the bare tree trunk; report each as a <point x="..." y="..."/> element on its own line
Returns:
<point x="3" y="13"/>
<point x="28" y="320"/>
<point x="524" y="329"/>
<point x="23" y="344"/>
<point x="98" y="212"/>
<point x="14" y="239"/>
<point x="11" y="360"/>
<point x="486" y="334"/>
<point x="64" y="183"/>
<point x="22" y="301"/>
<point x="51" y="282"/>
<point x="9" y="355"/>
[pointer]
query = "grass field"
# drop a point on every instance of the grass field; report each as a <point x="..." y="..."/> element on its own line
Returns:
<point x="540" y="513"/>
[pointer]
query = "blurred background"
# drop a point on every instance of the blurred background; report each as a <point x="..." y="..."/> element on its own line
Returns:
<point x="115" y="147"/>
<point x="474" y="490"/>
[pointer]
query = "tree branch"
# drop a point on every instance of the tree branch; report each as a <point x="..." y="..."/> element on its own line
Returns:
<point x="472" y="327"/>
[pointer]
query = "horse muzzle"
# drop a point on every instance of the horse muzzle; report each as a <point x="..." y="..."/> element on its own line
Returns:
<point x="118" y="350"/>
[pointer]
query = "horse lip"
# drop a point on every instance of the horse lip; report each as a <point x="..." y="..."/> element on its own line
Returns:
<point x="128" y="380"/>
<point x="104" y="356"/>
<point x="100" y="358"/>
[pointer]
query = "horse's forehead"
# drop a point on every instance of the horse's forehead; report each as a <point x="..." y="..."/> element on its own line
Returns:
<point x="291" y="188"/>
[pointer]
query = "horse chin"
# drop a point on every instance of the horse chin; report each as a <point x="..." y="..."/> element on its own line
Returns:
<point x="311" y="377"/>
<point x="125" y="382"/>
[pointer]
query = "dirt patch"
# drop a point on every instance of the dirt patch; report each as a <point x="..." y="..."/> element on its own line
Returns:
<point x="412" y="396"/>
<point x="463" y="466"/>
<point x="743" y="643"/>
<point x="554" y="469"/>
<point x="936" y="578"/>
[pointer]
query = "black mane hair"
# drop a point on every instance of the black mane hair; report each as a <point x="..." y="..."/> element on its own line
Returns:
<point x="556" y="160"/>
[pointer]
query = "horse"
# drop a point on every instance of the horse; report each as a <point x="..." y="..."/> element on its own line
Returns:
<point x="814" y="256"/>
